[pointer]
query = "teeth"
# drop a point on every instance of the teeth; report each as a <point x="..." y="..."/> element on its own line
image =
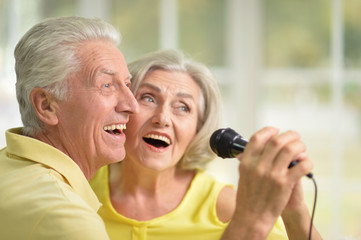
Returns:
<point x="157" y="137"/>
<point x="115" y="126"/>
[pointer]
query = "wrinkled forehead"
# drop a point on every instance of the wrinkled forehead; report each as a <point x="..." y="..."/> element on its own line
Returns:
<point x="201" y="102"/>
<point x="101" y="58"/>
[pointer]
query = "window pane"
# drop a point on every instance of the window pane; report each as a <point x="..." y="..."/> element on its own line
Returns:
<point x="351" y="213"/>
<point x="4" y="22"/>
<point x="202" y="30"/>
<point x="352" y="19"/>
<point x="352" y="130"/>
<point x="301" y="102"/>
<point x="4" y="26"/>
<point x="297" y="33"/>
<point x="138" y="22"/>
<point x="54" y="8"/>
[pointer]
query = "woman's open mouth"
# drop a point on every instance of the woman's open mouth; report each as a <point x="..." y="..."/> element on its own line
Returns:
<point x="157" y="140"/>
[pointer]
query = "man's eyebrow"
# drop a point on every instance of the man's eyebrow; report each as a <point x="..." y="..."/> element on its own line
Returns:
<point x="112" y="73"/>
<point x="108" y="71"/>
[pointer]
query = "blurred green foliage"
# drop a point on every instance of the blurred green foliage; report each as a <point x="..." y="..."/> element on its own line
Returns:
<point x="138" y="22"/>
<point x="297" y="33"/>
<point x="352" y="33"/>
<point x="202" y="30"/>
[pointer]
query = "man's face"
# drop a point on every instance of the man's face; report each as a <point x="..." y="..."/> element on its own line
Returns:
<point x="93" y="116"/>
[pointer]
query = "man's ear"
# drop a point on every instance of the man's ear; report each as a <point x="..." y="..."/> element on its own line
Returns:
<point x="44" y="105"/>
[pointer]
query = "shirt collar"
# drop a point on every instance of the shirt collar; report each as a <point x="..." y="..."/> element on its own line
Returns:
<point x="38" y="151"/>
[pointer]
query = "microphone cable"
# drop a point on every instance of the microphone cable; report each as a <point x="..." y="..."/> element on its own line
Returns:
<point x="314" y="206"/>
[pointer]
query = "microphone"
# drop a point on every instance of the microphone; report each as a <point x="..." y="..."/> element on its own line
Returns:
<point x="227" y="143"/>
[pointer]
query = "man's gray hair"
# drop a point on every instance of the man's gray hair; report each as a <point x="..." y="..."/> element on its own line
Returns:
<point x="46" y="55"/>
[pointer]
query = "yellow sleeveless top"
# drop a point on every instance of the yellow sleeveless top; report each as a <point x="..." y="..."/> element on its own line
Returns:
<point x="194" y="219"/>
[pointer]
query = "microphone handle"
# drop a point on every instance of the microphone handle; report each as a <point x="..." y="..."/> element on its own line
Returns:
<point x="239" y="146"/>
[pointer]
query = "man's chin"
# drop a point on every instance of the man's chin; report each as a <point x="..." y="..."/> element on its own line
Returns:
<point x="117" y="157"/>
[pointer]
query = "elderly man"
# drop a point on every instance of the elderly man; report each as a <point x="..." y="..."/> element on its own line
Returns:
<point x="74" y="98"/>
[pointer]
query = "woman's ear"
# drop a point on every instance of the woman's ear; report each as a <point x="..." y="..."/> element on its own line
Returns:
<point x="44" y="105"/>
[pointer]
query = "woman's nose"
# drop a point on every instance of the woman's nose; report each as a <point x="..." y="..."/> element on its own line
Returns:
<point x="161" y="118"/>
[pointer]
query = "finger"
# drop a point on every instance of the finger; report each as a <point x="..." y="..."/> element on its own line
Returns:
<point x="302" y="168"/>
<point x="257" y="142"/>
<point x="279" y="149"/>
<point x="288" y="153"/>
<point x="250" y="158"/>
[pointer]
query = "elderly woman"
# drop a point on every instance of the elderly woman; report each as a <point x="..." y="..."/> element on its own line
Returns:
<point x="160" y="190"/>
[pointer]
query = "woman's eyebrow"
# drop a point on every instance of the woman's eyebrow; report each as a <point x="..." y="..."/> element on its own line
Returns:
<point x="155" y="88"/>
<point x="184" y="95"/>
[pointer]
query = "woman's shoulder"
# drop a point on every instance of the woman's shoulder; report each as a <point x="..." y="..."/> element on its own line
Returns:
<point x="205" y="181"/>
<point x="226" y="203"/>
<point x="224" y="192"/>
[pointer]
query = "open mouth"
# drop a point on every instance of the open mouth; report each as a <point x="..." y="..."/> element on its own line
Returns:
<point x="157" y="141"/>
<point x="115" y="129"/>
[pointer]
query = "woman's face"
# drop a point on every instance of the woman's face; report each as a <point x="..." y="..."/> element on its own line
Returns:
<point x="159" y="134"/>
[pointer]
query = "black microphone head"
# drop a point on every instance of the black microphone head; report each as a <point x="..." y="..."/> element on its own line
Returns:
<point x="227" y="143"/>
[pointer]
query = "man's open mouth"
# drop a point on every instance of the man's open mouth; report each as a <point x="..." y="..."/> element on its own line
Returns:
<point x="115" y="128"/>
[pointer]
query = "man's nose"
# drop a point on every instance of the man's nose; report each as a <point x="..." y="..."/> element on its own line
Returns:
<point x="127" y="102"/>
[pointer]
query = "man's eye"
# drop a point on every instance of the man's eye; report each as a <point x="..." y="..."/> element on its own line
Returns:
<point x="107" y="85"/>
<point x="128" y="85"/>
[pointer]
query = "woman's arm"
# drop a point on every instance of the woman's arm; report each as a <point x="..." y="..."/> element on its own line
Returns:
<point x="297" y="218"/>
<point x="226" y="203"/>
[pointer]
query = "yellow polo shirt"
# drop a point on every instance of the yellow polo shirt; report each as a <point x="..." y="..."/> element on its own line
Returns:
<point x="44" y="194"/>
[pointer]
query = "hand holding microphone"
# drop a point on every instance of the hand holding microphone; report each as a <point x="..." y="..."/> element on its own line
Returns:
<point x="227" y="143"/>
<point x="266" y="188"/>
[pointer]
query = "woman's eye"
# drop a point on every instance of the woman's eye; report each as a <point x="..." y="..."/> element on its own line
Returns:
<point x="184" y="108"/>
<point x="148" y="99"/>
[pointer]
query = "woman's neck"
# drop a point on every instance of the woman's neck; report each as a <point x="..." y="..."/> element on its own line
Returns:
<point x="143" y="194"/>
